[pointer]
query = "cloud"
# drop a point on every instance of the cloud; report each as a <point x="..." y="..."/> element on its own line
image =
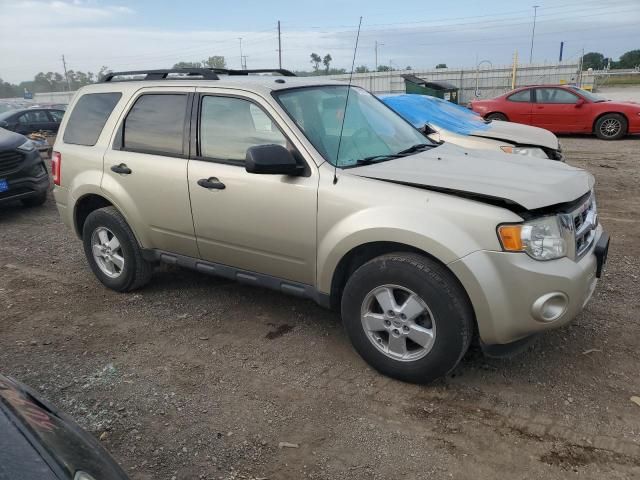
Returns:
<point x="90" y="34"/>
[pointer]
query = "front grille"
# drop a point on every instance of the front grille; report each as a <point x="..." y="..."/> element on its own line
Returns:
<point x="582" y="223"/>
<point x="10" y="161"/>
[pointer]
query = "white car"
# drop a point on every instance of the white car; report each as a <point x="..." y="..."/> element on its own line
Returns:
<point x="448" y="122"/>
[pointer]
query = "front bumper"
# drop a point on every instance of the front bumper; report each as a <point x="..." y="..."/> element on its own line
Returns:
<point x="508" y="289"/>
<point x="29" y="180"/>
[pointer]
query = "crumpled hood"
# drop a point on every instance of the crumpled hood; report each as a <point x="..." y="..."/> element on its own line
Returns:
<point x="519" y="134"/>
<point x="531" y="183"/>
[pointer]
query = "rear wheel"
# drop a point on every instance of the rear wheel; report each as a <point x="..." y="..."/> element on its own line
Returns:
<point x="497" y="116"/>
<point x="113" y="252"/>
<point x="407" y="316"/>
<point x="611" y="126"/>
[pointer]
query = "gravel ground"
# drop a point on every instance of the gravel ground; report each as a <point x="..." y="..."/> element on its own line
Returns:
<point x="196" y="377"/>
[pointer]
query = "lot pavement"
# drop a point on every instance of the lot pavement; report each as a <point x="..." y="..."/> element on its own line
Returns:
<point x="196" y="377"/>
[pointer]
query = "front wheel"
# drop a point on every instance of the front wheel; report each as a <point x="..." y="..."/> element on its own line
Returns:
<point x="611" y="126"/>
<point x="407" y="316"/>
<point x="113" y="252"/>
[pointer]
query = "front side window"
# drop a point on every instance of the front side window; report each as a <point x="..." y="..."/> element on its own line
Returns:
<point x="229" y="126"/>
<point x="155" y="124"/>
<point x="522" y="96"/>
<point x="555" y="95"/>
<point x="371" y="129"/>
<point x="89" y="116"/>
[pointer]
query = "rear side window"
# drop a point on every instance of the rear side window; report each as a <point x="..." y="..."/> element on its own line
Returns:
<point x="89" y="116"/>
<point x="155" y="124"/>
<point x="522" y="96"/>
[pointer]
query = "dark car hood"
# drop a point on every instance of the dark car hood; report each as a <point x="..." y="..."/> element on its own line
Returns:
<point x="531" y="183"/>
<point x="10" y="140"/>
<point x="50" y="434"/>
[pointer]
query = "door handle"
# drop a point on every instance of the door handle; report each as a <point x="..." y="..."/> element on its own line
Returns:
<point x="211" y="182"/>
<point x="121" y="169"/>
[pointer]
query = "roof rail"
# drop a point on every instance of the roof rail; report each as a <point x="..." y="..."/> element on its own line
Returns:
<point x="182" y="73"/>
<point x="281" y="71"/>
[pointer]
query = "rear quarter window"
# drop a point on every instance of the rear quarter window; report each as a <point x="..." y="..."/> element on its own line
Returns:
<point x="88" y="117"/>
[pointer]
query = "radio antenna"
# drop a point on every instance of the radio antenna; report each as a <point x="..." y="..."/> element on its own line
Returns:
<point x="346" y="104"/>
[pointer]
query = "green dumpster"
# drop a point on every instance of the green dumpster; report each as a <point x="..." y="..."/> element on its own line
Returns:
<point x="445" y="90"/>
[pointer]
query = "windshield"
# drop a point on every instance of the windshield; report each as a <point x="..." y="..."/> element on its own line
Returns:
<point x="588" y="95"/>
<point x="370" y="128"/>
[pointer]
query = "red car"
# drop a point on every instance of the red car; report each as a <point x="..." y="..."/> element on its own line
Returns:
<point x="563" y="109"/>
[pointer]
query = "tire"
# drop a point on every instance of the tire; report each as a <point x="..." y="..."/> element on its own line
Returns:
<point x="497" y="116"/>
<point x="611" y="126"/>
<point x="121" y="266"/>
<point x="415" y="282"/>
<point x="35" y="201"/>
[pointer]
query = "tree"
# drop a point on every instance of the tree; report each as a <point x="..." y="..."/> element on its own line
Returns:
<point x="441" y="65"/>
<point x="630" y="59"/>
<point x="384" y="68"/>
<point x="187" y="65"/>
<point x="217" y="61"/>
<point x="594" y="60"/>
<point x="316" y="60"/>
<point x="327" y="62"/>
<point x="103" y="72"/>
<point x="408" y="67"/>
<point x="362" y="69"/>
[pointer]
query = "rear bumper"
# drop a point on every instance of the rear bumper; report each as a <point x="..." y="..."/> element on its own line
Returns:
<point x="508" y="291"/>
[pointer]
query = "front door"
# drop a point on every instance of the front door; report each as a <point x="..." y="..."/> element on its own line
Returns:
<point x="145" y="171"/>
<point x="260" y="223"/>
<point x="555" y="109"/>
<point x="33" y="121"/>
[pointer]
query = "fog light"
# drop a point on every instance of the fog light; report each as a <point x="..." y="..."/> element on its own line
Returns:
<point x="550" y="307"/>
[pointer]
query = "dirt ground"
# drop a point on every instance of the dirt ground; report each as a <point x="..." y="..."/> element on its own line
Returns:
<point x="196" y="377"/>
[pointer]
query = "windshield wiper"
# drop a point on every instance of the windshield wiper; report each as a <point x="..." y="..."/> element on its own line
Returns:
<point x="402" y="153"/>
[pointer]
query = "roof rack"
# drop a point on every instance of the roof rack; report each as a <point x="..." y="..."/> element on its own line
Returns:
<point x="282" y="71"/>
<point x="181" y="73"/>
<point x="189" y="74"/>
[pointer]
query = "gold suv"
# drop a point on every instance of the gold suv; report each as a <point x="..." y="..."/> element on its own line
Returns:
<point x="319" y="190"/>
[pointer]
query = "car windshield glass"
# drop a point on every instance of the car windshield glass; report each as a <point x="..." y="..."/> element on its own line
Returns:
<point x="588" y="95"/>
<point x="371" y="130"/>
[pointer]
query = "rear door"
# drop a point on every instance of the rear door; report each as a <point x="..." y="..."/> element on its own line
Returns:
<point x="555" y="109"/>
<point x="260" y="223"/>
<point x="56" y="118"/>
<point x="145" y="170"/>
<point x="518" y="106"/>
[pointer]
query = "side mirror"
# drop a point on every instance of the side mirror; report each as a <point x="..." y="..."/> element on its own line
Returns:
<point x="580" y="102"/>
<point x="4" y="124"/>
<point x="271" y="160"/>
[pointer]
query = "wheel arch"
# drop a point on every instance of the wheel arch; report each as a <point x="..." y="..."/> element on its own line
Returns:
<point x="84" y="206"/>
<point x="361" y="254"/>
<point x="613" y="112"/>
<point x="485" y="116"/>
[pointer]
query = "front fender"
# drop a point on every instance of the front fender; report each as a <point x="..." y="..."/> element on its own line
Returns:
<point x="438" y="236"/>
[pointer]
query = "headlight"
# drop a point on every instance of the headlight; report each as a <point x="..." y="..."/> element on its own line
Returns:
<point x="27" y="146"/>
<point x="527" y="151"/>
<point x="541" y="239"/>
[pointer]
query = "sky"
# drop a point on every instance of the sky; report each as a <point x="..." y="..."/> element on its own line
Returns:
<point x="139" y="34"/>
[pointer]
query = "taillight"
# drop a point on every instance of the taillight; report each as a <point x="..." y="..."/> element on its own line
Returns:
<point x="56" y="164"/>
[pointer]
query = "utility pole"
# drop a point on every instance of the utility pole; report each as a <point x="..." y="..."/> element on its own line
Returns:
<point x="561" y="50"/>
<point x="378" y="44"/>
<point x="533" y="32"/>
<point x="66" y="75"/>
<point x="240" y="39"/>
<point x="244" y="58"/>
<point x="279" y="47"/>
